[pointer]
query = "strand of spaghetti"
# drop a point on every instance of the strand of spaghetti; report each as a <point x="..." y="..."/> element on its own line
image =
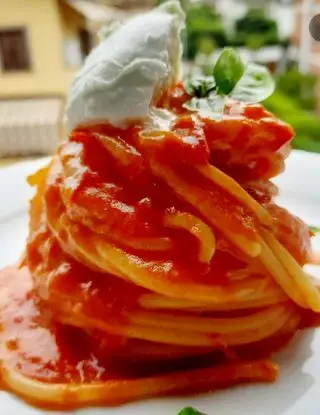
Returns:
<point x="250" y="330"/>
<point x="107" y="267"/>
<point x="280" y="275"/>
<point x="190" y="336"/>
<point x="194" y="225"/>
<point x="37" y="180"/>
<point x="158" y="335"/>
<point x="161" y="244"/>
<point x="55" y="214"/>
<point x="62" y="197"/>
<point x="200" y="324"/>
<point x="253" y="336"/>
<point x="58" y="223"/>
<point x="217" y="176"/>
<point x="253" y="268"/>
<point x="265" y="293"/>
<point x="201" y="200"/>
<point x="114" y="392"/>
<point x="155" y="276"/>
<point x="245" y="336"/>
<point x="270" y="296"/>
<point x="125" y="155"/>
<point x="208" y="324"/>
<point x="309" y="291"/>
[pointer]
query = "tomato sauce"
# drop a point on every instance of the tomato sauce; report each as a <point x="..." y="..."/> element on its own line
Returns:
<point x="32" y="344"/>
<point x="115" y="186"/>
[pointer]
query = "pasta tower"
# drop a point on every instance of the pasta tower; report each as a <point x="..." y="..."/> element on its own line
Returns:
<point x="157" y="262"/>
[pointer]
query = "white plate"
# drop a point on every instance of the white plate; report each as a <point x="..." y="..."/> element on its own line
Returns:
<point x="298" y="388"/>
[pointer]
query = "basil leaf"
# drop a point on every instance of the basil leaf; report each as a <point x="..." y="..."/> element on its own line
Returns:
<point x="256" y="85"/>
<point x="228" y="71"/>
<point x="190" y="411"/>
<point x="314" y="229"/>
<point x="200" y="87"/>
<point x="210" y="107"/>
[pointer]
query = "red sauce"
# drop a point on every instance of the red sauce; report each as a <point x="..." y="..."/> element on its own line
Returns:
<point x="32" y="344"/>
<point x="102" y="186"/>
<point x="29" y="341"/>
<point x="248" y="143"/>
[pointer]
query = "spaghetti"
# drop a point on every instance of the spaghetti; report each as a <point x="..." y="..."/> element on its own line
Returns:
<point x="156" y="262"/>
<point x="150" y="269"/>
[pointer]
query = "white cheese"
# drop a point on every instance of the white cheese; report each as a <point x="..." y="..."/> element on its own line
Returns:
<point x="127" y="69"/>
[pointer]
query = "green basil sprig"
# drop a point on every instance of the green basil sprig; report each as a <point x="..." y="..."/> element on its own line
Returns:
<point x="200" y="87"/>
<point x="190" y="411"/>
<point x="231" y="78"/>
<point x="211" y="106"/>
<point x="228" y="71"/>
<point x="256" y="85"/>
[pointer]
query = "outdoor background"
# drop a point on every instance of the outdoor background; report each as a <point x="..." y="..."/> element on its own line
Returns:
<point x="44" y="42"/>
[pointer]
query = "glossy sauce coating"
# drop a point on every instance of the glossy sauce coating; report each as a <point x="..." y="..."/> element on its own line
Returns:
<point x="71" y="320"/>
<point x="33" y="345"/>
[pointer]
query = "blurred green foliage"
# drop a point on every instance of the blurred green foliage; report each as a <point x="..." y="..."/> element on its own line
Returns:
<point x="255" y="30"/>
<point x="294" y="99"/>
<point x="203" y="23"/>
<point x="300" y="87"/>
<point x="287" y="104"/>
<point x="204" y="29"/>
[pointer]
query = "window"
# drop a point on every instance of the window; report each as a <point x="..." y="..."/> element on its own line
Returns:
<point x="14" y="54"/>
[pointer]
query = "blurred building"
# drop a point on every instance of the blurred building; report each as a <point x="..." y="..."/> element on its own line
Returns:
<point x="309" y="58"/>
<point x="42" y="44"/>
<point x="280" y="10"/>
<point x="308" y="48"/>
